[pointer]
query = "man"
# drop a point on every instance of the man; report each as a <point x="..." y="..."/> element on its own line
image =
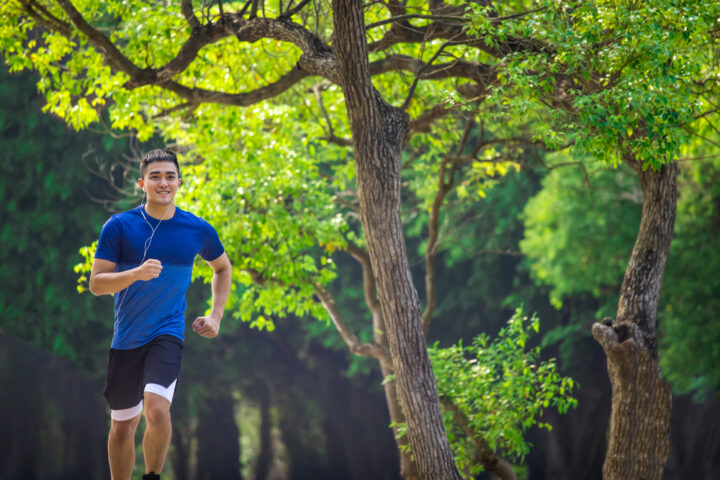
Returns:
<point x="145" y="258"/>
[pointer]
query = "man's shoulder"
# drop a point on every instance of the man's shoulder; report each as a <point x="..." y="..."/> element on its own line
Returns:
<point x="117" y="220"/>
<point x="127" y="215"/>
<point x="190" y="217"/>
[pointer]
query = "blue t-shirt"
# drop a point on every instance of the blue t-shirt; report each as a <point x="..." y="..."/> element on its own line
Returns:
<point x="155" y="307"/>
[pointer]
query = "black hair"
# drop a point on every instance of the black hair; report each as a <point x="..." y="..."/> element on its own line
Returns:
<point x="158" y="155"/>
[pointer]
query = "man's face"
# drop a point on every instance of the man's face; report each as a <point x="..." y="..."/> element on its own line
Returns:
<point x="160" y="182"/>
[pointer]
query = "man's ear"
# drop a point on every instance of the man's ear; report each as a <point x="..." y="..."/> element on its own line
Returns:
<point x="141" y="184"/>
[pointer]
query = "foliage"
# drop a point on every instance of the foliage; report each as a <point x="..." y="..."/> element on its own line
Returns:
<point x="608" y="77"/>
<point x="479" y="260"/>
<point x="500" y="389"/>
<point x="689" y="333"/>
<point x="611" y="78"/>
<point x="579" y="232"/>
<point x="271" y="203"/>
<point x="263" y="174"/>
<point x="577" y="239"/>
<point x="44" y="186"/>
<point x="618" y="82"/>
<point x="83" y="269"/>
<point x="271" y="206"/>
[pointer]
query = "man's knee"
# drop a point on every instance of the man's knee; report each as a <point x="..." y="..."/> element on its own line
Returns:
<point x="157" y="409"/>
<point x="125" y="429"/>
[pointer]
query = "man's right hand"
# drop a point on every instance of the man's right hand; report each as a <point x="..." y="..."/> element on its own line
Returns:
<point x="149" y="270"/>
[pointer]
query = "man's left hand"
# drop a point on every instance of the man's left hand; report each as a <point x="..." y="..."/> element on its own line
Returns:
<point x="207" y="327"/>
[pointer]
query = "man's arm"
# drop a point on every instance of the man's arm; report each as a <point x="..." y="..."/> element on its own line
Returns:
<point x="209" y="326"/>
<point x="105" y="280"/>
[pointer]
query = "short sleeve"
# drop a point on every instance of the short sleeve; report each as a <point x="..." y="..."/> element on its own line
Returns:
<point x="109" y="243"/>
<point x="211" y="248"/>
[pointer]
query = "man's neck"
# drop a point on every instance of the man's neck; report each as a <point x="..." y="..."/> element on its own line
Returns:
<point x="160" y="212"/>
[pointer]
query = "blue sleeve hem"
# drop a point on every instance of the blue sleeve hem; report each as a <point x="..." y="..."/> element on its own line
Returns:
<point x="215" y="257"/>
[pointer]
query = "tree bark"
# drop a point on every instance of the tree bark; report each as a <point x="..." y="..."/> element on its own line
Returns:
<point x="639" y="441"/>
<point x="408" y="468"/>
<point x="379" y="131"/>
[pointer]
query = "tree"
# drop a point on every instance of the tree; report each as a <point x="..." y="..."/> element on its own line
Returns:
<point x="178" y="72"/>
<point x="572" y="212"/>
<point x="76" y="86"/>
<point x="613" y="81"/>
<point x="44" y="186"/>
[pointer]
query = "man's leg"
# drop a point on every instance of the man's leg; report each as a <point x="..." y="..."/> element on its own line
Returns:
<point x="157" y="432"/>
<point x="162" y="366"/>
<point x="121" y="448"/>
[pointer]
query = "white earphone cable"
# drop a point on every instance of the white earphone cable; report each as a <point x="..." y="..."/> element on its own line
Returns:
<point x="148" y="242"/>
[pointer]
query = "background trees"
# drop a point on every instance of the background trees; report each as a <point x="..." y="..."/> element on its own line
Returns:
<point x="180" y="70"/>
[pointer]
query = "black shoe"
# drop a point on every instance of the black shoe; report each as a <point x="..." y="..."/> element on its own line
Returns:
<point x="151" y="476"/>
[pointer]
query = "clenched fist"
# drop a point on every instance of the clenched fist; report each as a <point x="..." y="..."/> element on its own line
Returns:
<point x="150" y="269"/>
<point x="207" y="327"/>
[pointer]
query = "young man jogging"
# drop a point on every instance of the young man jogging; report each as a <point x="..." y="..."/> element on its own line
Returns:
<point x="145" y="257"/>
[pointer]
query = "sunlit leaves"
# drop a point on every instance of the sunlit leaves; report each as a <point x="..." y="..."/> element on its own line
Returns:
<point x="615" y="77"/>
<point x="273" y="209"/>
<point x="501" y="387"/>
<point x="84" y="268"/>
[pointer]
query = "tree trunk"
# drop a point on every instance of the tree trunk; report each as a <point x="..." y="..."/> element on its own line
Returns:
<point x="183" y="437"/>
<point x="639" y="441"/>
<point x="263" y="463"/>
<point x="218" y="453"/>
<point x="408" y="468"/>
<point x="378" y="133"/>
<point x="181" y="459"/>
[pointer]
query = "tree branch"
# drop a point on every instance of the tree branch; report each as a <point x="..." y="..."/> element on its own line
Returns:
<point x="114" y="57"/>
<point x="317" y="91"/>
<point x="242" y="11"/>
<point x="438" y="7"/>
<point x="424" y="120"/>
<point x="317" y="58"/>
<point x="440" y="18"/>
<point x="176" y="108"/>
<point x="293" y="11"/>
<point x="425" y="67"/>
<point x="254" y="9"/>
<point x="368" y="349"/>
<point x="483" y="453"/>
<point x="340" y="141"/>
<point x="479" y="72"/>
<point x="370" y="293"/>
<point x="395" y="7"/>
<point x="187" y="11"/>
<point x="200" y="95"/>
<point x="363" y="259"/>
<point x="43" y="17"/>
<point x="499" y="47"/>
<point x="446" y="182"/>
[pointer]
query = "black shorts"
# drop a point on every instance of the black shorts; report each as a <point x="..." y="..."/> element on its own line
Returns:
<point x="128" y="371"/>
